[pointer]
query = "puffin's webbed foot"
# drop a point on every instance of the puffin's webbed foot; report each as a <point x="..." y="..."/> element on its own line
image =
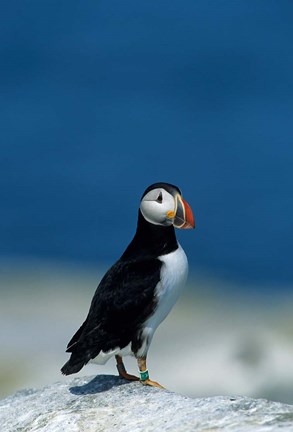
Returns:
<point x="152" y="383"/>
<point x="122" y="371"/>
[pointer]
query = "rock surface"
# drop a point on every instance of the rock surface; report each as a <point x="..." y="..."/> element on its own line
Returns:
<point x="108" y="403"/>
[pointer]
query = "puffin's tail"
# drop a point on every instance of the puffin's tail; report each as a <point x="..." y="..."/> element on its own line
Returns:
<point x="77" y="360"/>
<point x="72" y="367"/>
<point x="80" y="356"/>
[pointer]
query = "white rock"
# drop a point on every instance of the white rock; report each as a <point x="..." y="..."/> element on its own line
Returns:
<point x="108" y="403"/>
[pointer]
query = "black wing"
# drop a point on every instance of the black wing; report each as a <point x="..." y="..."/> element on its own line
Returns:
<point x="122" y="302"/>
<point x="76" y="336"/>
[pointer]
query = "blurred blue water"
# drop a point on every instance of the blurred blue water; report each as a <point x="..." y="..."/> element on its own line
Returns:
<point x="100" y="99"/>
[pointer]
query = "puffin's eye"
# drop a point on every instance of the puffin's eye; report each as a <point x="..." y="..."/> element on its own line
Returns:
<point x="160" y="198"/>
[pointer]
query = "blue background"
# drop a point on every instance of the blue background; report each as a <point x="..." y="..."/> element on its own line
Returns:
<point x="99" y="99"/>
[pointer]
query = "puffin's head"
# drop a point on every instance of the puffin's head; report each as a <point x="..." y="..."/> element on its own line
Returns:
<point x="162" y="204"/>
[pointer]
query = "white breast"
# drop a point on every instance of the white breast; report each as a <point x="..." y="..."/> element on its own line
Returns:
<point x="173" y="277"/>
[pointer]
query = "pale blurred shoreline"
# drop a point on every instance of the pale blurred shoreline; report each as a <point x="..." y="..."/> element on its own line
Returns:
<point x="219" y="339"/>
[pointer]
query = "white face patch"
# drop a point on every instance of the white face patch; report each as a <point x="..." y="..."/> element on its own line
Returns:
<point x="156" y="204"/>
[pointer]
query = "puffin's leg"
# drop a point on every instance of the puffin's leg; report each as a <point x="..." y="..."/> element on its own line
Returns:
<point x="122" y="371"/>
<point x="141" y="361"/>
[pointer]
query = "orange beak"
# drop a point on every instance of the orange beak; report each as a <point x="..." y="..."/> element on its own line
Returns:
<point x="184" y="217"/>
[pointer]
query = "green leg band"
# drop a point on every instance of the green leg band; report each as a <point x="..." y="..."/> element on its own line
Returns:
<point x="144" y="375"/>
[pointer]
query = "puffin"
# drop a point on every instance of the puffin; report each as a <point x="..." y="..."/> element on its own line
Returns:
<point x="139" y="290"/>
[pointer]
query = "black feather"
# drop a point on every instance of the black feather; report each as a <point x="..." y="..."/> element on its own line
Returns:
<point x="75" y="337"/>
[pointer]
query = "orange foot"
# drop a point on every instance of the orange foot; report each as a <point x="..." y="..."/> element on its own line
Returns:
<point x="123" y="374"/>
<point x="152" y="383"/>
